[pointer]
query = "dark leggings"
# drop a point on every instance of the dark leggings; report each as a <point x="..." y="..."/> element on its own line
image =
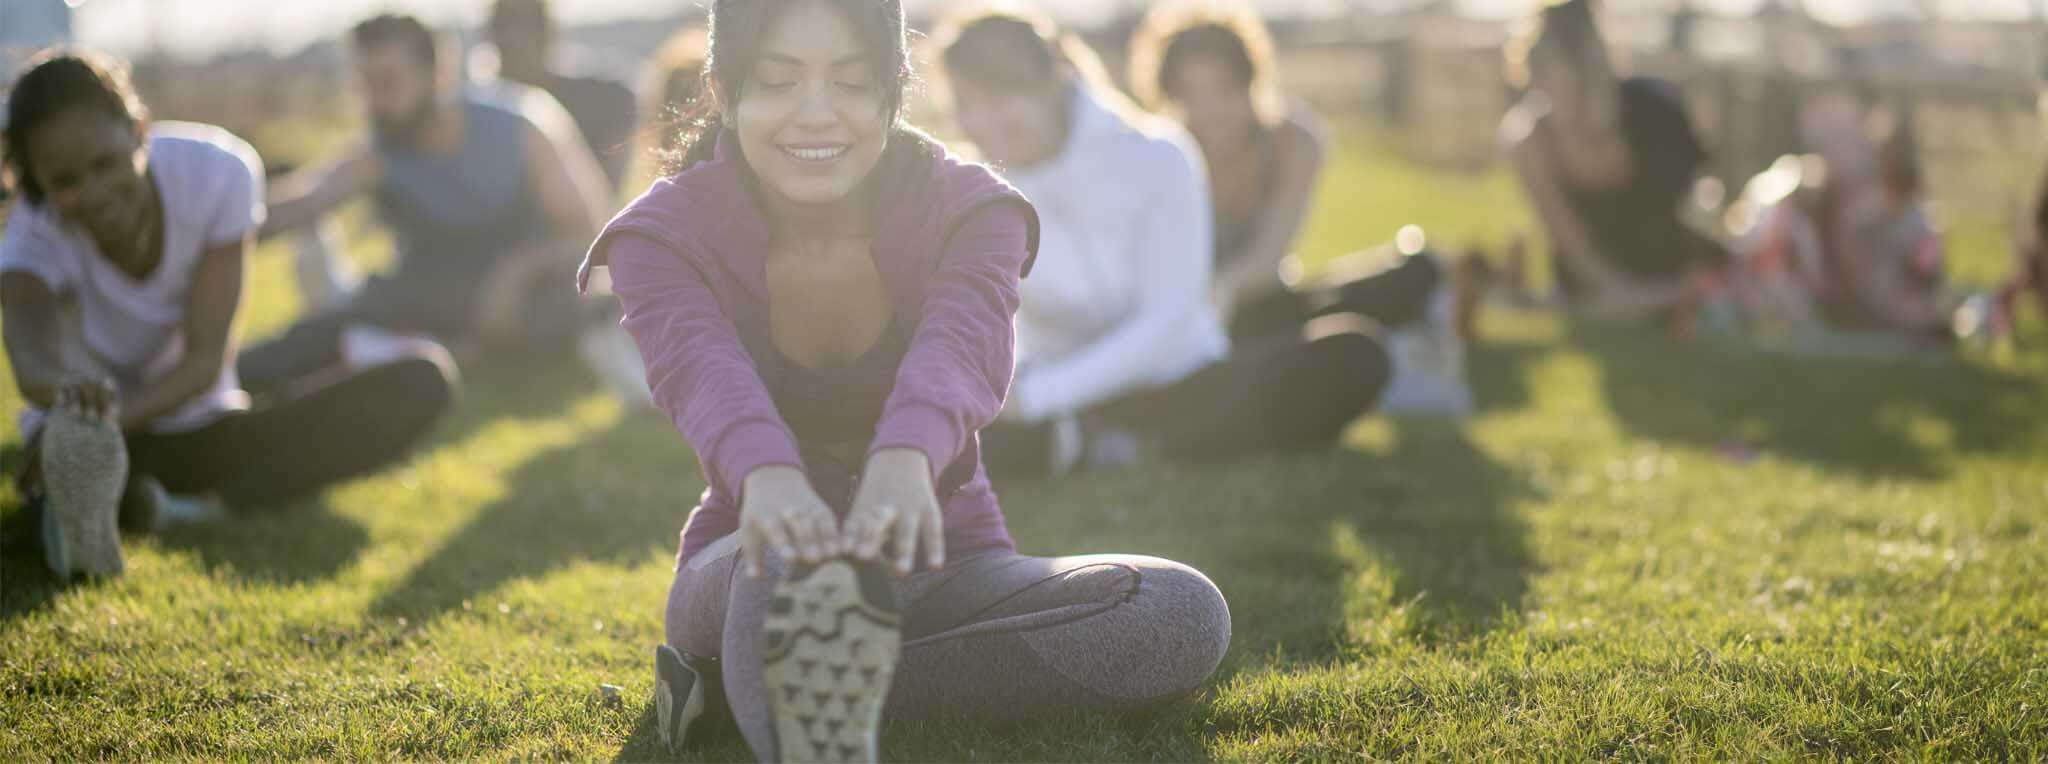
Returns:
<point x="434" y="301"/>
<point x="1308" y="363"/>
<point x="1391" y="297"/>
<point x="996" y="638"/>
<point x="290" y="448"/>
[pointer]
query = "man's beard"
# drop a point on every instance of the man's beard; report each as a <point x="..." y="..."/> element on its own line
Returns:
<point x="406" y="128"/>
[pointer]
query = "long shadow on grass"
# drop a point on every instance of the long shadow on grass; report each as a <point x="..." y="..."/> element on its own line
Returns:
<point x="1443" y="519"/>
<point x="615" y="496"/>
<point x="26" y="585"/>
<point x="1496" y="373"/>
<point x="1287" y="537"/>
<point x="1428" y="526"/>
<point x="530" y="386"/>
<point x="307" y="541"/>
<point x="1865" y="418"/>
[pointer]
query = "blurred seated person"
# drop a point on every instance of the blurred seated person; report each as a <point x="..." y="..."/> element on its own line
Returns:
<point x="1842" y="235"/>
<point x="121" y="278"/>
<point x="669" y="88"/>
<point x="1122" y="354"/>
<point x="1211" y="67"/>
<point x="1991" y="317"/>
<point x="488" y="203"/>
<point x="1607" y="163"/>
<point x="523" y="31"/>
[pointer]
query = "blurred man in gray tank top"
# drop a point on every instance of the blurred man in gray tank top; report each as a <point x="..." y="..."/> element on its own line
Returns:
<point x="489" y="200"/>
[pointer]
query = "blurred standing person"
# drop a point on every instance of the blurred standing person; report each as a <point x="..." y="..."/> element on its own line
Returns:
<point x="120" y="283"/>
<point x="1122" y="353"/>
<point x="488" y="201"/>
<point x="524" y="33"/>
<point x="1606" y="162"/>
<point x="1211" y="66"/>
<point x="669" y="88"/>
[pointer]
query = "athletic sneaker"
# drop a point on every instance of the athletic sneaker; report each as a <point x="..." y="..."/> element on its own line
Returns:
<point x="324" y="277"/>
<point x="1068" y="445"/>
<point x="829" y="655"/>
<point x="611" y="355"/>
<point x="688" y="695"/>
<point x="1429" y="363"/>
<point x="85" y="469"/>
<point x="367" y="347"/>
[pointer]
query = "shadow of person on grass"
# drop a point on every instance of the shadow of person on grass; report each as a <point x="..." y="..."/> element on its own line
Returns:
<point x="1496" y="373"/>
<point x="617" y="495"/>
<point x="1445" y="523"/>
<point x="305" y="542"/>
<point x="26" y="585"/>
<point x="286" y="545"/>
<point x="531" y="386"/>
<point x="1866" y="418"/>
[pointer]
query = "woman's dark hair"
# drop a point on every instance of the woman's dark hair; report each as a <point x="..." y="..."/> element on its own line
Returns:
<point x="1173" y="34"/>
<point x="58" y="81"/>
<point x="737" y="28"/>
<point x="1561" y="33"/>
<point x="389" y="28"/>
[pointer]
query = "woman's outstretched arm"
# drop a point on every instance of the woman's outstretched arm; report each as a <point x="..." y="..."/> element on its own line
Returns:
<point x="698" y="369"/>
<point x="953" y="380"/>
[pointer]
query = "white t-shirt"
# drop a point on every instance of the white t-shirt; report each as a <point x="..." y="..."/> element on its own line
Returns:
<point x="211" y="184"/>
<point x="1119" y="298"/>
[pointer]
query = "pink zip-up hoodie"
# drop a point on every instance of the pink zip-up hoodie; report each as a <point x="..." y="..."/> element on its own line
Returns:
<point x="951" y="241"/>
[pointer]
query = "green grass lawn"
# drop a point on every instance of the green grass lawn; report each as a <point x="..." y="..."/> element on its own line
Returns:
<point x="1581" y="570"/>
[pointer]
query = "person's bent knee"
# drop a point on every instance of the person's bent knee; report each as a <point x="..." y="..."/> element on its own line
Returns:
<point x="1163" y="643"/>
<point x="1357" y="357"/>
<point x="427" y="384"/>
<point x="1202" y="618"/>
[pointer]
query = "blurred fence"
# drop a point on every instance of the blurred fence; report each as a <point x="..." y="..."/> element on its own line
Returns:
<point x="1434" y="80"/>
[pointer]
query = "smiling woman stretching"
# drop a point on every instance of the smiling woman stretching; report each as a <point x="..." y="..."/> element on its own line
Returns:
<point x="824" y="299"/>
<point x="120" y="283"/>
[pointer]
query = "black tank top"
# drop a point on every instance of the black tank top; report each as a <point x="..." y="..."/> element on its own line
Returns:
<point x="1636" y="225"/>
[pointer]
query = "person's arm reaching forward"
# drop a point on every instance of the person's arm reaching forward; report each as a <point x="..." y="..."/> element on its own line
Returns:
<point x="950" y="385"/>
<point x="300" y="200"/>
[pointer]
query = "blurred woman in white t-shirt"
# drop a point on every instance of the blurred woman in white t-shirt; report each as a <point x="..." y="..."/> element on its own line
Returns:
<point x="120" y="281"/>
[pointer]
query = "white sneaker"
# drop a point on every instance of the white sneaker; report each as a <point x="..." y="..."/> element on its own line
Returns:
<point x="367" y="347"/>
<point x="1429" y="364"/>
<point x="611" y="355"/>
<point x="1068" y="445"/>
<point x="325" y="279"/>
<point x="189" y="510"/>
<point x="85" y="470"/>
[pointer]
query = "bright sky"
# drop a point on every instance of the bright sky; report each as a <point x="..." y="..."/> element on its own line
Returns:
<point x="200" y="27"/>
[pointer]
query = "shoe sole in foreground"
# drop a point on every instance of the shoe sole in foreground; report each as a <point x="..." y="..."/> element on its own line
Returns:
<point x="679" y="698"/>
<point x="85" y="469"/>
<point x="830" y="652"/>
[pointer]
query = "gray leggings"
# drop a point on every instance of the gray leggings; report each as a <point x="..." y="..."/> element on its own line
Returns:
<point x="1001" y="637"/>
